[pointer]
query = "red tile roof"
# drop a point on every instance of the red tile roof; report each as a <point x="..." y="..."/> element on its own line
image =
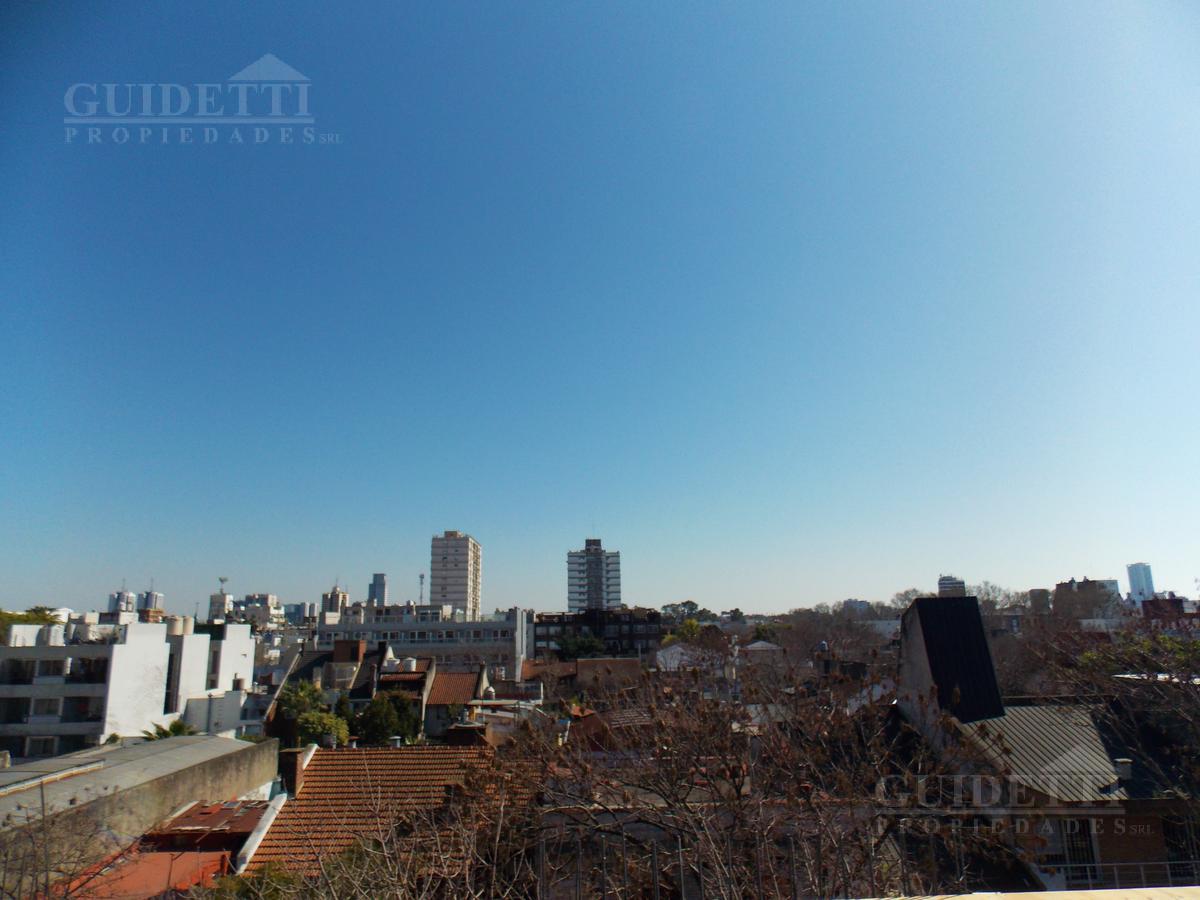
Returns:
<point x="350" y="793"/>
<point x="453" y="687"/>
<point x="153" y="875"/>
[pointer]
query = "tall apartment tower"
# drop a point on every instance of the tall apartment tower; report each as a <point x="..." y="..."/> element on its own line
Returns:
<point x="150" y="600"/>
<point x="456" y="573"/>
<point x="377" y="590"/>
<point x="949" y="586"/>
<point x="593" y="577"/>
<point x="335" y="600"/>
<point x="122" y="601"/>
<point x="1141" y="582"/>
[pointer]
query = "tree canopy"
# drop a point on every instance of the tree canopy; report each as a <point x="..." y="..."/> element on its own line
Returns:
<point x="314" y="726"/>
<point x="577" y="646"/>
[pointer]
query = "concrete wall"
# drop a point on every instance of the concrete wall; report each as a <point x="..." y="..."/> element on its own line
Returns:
<point x="91" y="831"/>
<point x="218" y="712"/>
<point x="236" y="659"/>
<point x="137" y="681"/>
<point x="191" y="664"/>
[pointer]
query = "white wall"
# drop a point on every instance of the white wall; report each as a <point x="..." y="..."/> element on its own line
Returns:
<point x="236" y="657"/>
<point x="220" y="712"/>
<point x="191" y="651"/>
<point x="137" y="681"/>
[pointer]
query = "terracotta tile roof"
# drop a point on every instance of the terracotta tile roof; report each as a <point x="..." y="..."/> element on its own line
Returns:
<point x="349" y="793"/>
<point x="153" y="875"/>
<point x="453" y="687"/>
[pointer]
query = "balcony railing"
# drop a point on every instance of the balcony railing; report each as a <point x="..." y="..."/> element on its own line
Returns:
<point x="1108" y="876"/>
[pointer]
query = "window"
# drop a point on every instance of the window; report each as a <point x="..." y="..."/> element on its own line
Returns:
<point x="45" y="706"/>
<point x="52" y="667"/>
<point x="41" y="746"/>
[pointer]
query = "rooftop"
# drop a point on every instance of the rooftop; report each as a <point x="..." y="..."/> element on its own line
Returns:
<point x="84" y="776"/>
<point x="959" y="659"/>
<point x="453" y="687"/>
<point x="348" y="793"/>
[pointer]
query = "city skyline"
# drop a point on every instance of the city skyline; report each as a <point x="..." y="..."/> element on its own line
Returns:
<point x="790" y="304"/>
<point x="399" y="593"/>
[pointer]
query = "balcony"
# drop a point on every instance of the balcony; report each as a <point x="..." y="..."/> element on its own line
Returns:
<point x="1118" y="876"/>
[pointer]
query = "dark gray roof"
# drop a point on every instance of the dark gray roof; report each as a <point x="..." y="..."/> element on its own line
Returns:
<point x="81" y="777"/>
<point x="959" y="659"/>
<point x="1056" y="750"/>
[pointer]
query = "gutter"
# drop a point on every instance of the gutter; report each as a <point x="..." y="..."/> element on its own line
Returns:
<point x="260" y="831"/>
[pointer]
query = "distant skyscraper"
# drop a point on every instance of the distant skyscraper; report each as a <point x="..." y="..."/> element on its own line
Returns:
<point x="1141" y="582"/>
<point x="122" y="601"/>
<point x="335" y="601"/>
<point x="949" y="586"/>
<point x="456" y="573"/>
<point x="377" y="590"/>
<point x="150" y="600"/>
<point x="593" y="577"/>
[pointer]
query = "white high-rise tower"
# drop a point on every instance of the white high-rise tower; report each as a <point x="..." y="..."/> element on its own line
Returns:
<point x="456" y="573"/>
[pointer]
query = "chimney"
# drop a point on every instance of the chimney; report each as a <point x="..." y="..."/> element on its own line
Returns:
<point x="291" y="769"/>
<point x="1124" y="768"/>
<point x="396" y="741"/>
<point x="349" y="651"/>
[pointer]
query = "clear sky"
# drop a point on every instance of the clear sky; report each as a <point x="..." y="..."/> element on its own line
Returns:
<point x="787" y="302"/>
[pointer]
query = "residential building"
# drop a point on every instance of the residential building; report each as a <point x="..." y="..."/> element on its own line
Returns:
<point x="1141" y="582"/>
<point x="334" y="601"/>
<point x="338" y="797"/>
<point x="856" y="607"/>
<point x="1086" y="599"/>
<point x="220" y="605"/>
<point x="122" y="601"/>
<point x="625" y="632"/>
<point x="148" y="600"/>
<point x="450" y="695"/>
<point x="377" y="592"/>
<point x="456" y="572"/>
<point x="260" y="610"/>
<point x="503" y="640"/>
<point x="949" y="586"/>
<point x="593" y="577"/>
<point x="1039" y="601"/>
<point x="65" y="688"/>
<point x="298" y="613"/>
<point x="1055" y="776"/>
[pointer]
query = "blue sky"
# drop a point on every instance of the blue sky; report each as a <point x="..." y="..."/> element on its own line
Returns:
<point x="787" y="302"/>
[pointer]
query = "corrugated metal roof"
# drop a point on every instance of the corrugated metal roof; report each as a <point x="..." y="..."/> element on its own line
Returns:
<point x="1056" y="750"/>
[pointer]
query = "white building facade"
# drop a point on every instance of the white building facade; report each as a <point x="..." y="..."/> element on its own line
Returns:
<point x="1141" y="582"/>
<point x="65" y="688"/>
<point x="456" y="573"/>
<point x="501" y="641"/>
